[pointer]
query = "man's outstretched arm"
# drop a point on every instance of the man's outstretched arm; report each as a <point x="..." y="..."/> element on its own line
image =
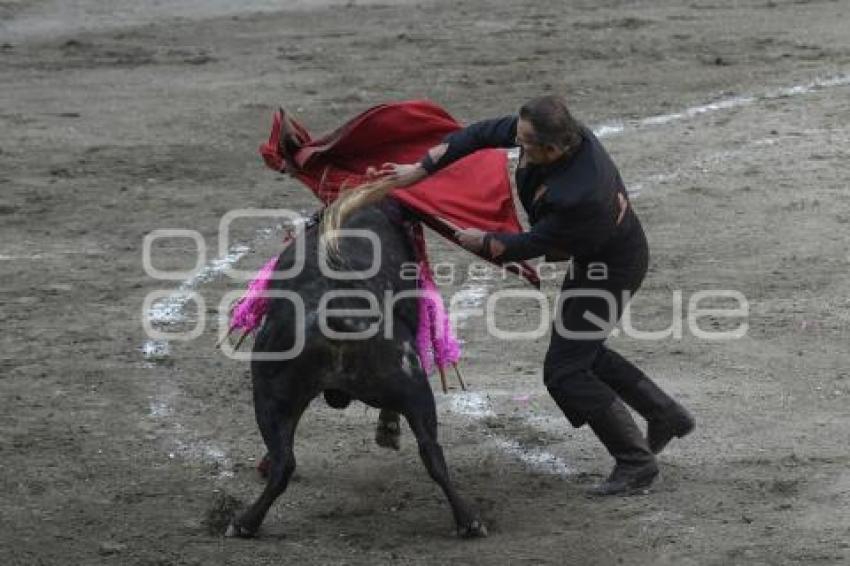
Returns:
<point x="497" y="132"/>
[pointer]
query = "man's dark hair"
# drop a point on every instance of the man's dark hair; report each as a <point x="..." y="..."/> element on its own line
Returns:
<point x="552" y="122"/>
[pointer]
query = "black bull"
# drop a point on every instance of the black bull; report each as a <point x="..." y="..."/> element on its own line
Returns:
<point x="382" y="371"/>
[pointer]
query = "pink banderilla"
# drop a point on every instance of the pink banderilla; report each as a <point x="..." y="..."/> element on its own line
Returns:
<point x="435" y="339"/>
<point x="249" y="311"/>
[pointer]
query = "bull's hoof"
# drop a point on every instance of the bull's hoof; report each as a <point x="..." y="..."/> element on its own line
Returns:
<point x="475" y="529"/>
<point x="388" y="435"/>
<point x="235" y="530"/>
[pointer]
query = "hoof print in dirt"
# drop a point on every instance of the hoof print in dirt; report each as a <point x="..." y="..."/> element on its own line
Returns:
<point x="235" y="530"/>
<point x="220" y="514"/>
<point x="475" y="529"/>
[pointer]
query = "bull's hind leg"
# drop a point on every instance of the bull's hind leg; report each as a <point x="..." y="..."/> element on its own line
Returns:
<point x="421" y="415"/>
<point x="388" y="431"/>
<point x="277" y="409"/>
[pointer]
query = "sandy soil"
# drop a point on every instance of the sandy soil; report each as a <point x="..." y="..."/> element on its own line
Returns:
<point x="729" y="120"/>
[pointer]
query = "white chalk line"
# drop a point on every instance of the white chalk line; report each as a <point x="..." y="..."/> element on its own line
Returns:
<point x="619" y="127"/>
<point x="476" y="407"/>
<point x="175" y="304"/>
<point x="33" y="257"/>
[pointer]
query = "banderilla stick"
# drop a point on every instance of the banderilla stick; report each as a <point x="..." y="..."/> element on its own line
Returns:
<point x="223" y="338"/>
<point x="238" y="342"/>
<point x="443" y="379"/>
<point x="459" y="376"/>
<point x="241" y="339"/>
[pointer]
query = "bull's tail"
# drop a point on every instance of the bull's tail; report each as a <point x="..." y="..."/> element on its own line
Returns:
<point x="347" y="203"/>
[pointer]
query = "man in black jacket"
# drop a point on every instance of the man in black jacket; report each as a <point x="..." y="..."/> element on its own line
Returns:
<point x="578" y="208"/>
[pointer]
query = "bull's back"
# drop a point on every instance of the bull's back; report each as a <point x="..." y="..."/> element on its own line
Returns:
<point x="385" y="253"/>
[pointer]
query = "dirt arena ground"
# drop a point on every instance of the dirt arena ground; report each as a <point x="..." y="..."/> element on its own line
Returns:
<point x="730" y="121"/>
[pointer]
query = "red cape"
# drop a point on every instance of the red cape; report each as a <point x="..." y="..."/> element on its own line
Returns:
<point x="474" y="192"/>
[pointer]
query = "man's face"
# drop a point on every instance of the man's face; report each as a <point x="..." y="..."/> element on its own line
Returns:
<point x="534" y="152"/>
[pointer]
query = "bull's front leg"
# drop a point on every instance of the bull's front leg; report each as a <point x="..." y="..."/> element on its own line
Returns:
<point x="421" y="415"/>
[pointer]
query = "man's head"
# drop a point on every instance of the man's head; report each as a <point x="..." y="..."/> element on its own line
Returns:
<point x="546" y="130"/>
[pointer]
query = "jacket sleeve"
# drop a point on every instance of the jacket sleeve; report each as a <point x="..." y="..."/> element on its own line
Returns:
<point x="498" y="132"/>
<point x="574" y="232"/>
<point x="542" y="239"/>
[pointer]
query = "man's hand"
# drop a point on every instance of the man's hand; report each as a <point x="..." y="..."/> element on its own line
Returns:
<point x="471" y="239"/>
<point x="402" y="175"/>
